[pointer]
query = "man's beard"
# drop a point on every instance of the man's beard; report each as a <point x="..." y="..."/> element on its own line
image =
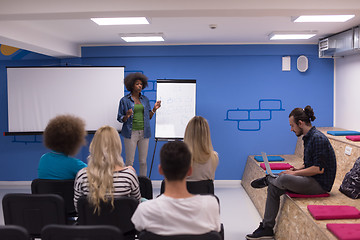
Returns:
<point x="301" y="132"/>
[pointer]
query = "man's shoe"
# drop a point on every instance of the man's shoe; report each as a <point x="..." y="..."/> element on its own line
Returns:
<point x="261" y="233"/>
<point x="260" y="183"/>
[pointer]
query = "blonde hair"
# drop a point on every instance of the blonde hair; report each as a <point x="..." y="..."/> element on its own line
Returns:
<point x="197" y="137"/>
<point x="105" y="155"/>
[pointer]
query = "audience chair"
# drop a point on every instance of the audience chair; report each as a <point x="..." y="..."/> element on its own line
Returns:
<point x="33" y="211"/>
<point x="213" y="235"/>
<point x="195" y="187"/>
<point x="13" y="232"/>
<point x="146" y="188"/>
<point x="119" y="216"/>
<point x="73" y="232"/>
<point x="64" y="188"/>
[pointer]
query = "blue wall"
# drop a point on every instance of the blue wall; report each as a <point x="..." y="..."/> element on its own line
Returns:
<point x="228" y="77"/>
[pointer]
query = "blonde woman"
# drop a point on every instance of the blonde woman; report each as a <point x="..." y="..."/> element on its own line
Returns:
<point x="204" y="158"/>
<point x="106" y="176"/>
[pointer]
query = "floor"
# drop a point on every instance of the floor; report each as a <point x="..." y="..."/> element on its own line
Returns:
<point x="238" y="214"/>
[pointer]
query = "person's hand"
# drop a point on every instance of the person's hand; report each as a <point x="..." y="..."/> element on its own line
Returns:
<point x="129" y="113"/>
<point x="157" y="105"/>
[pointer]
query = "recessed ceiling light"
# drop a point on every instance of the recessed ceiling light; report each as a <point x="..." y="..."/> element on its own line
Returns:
<point x="291" y="36"/>
<point x="323" y="18"/>
<point x="143" y="38"/>
<point x="121" y="21"/>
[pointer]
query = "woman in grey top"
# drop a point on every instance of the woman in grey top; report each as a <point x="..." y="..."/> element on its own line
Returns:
<point x="204" y="158"/>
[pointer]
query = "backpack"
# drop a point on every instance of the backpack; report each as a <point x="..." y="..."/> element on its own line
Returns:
<point x="351" y="183"/>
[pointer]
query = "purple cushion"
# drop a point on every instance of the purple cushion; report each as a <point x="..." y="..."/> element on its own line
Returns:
<point x="346" y="231"/>
<point x="277" y="166"/>
<point x="320" y="212"/>
<point x="353" y="138"/>
<point x="297" y="195"/>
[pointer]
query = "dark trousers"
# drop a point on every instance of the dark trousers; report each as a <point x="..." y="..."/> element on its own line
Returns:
<point x="282" y="184"/>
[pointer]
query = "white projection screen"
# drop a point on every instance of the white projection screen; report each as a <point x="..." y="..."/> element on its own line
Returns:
<point x="178" y="101"/>
<point x="37" y="94"/>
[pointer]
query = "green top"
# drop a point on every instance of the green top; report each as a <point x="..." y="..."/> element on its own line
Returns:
<point x="138" y="120"/>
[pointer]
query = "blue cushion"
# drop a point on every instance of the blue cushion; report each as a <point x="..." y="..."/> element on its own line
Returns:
<point x="276" y="172"/>
<point x="270" y="158"/>
<point x="343" y="133"/>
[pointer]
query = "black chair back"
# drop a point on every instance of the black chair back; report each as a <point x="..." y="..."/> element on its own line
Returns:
<point x="64" y="188"/>
<point x="13" y="232"/>
<point x="200" y="187"/>
<point x="146" y="188"/>
<point x="73" y="232"/>
<point x="33" y="211"/>
<point x="213" y="235"/>
<point x="195" y="187"/>
<point x="119" y="216"/>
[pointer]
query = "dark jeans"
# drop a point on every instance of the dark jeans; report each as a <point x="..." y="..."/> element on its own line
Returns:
<point x="282" y="184"/>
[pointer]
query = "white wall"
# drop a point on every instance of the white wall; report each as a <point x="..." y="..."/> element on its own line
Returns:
<point x="347" y="93"/>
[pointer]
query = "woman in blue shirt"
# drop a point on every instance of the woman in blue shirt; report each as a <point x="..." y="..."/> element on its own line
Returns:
<point x="135" y="114"/>
<point x="64" y="135"/>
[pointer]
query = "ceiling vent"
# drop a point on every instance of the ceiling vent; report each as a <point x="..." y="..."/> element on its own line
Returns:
<point x="340" y="44"/>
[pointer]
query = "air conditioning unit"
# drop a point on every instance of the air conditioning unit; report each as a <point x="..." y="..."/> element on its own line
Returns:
<point x="340" y="44"/>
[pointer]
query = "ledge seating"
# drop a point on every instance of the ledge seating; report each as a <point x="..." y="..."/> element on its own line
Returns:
<point x="294" y="220"/>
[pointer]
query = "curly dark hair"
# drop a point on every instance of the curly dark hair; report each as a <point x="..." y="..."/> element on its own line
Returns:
<point x="65" y="134"/>
<point x="306" y="115"/>
<point x="130" y="80"/>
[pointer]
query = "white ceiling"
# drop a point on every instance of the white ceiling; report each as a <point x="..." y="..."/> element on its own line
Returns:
<point x="60" y="28"/>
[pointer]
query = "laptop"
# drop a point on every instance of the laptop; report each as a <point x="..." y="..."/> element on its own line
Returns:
<point x="267" y="165"/>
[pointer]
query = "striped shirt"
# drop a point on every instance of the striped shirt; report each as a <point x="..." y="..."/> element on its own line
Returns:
<point x="126" y="183"/>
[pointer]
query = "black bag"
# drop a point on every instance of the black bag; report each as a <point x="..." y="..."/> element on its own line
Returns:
<point x="351" y="183"/>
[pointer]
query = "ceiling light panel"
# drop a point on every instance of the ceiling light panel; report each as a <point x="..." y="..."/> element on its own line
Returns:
<point x="121" y="21"/>
<point x="291" y="36"/>
<point x="143" y="39"/>
<point x="323" y="18"/>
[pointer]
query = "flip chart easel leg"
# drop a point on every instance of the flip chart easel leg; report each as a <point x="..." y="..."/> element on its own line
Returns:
<point x="152" y="161"/>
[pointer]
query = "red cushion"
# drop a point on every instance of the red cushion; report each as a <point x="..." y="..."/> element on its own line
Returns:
<point x="353" y="138"/>
<point x="277" y="166"/>
<point x="345" y="231"/>
<point x="297" y="195"/>
<point x="320" y="212"/>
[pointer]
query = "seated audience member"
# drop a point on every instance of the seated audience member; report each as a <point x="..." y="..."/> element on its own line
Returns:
<point x="64" y="135"/>
<point x="177" y="211"/>
<point x="204" y="159"/>
<point x="316" y="176"/>
<point x="106" y="176"/>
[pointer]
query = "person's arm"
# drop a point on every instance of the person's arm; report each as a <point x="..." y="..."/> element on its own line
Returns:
<point x="135" y="186"/>
<point x="124" y="113"/>
<point x="295" y="169"/>
<point x="138" y="218"/>
<point x="156" y="107"/>
<point x="77" y="187"/>
<point x="307" y="172"/>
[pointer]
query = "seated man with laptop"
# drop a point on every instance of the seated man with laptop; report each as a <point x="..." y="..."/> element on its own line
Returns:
<point x="177" y="211"/>
<point x="315" y="177"/>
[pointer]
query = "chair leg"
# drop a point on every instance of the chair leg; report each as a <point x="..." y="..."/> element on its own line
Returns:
<point x="222" y="231"/>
